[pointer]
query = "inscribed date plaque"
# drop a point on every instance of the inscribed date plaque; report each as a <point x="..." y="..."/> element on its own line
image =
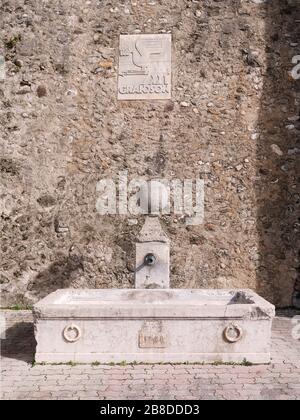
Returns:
<point x="153" y="335"/>
<point x="144" y="67"/>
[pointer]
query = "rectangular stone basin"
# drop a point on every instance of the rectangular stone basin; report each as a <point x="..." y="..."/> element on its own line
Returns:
<point x="153" y="326"/>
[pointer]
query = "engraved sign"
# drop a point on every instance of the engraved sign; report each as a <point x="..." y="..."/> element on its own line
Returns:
<point x="144" y="67"/>
<point x="152" y="335"/>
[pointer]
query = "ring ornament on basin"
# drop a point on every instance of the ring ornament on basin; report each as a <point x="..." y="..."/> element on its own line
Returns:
<point x="67" y="333"/>
<point x="233" y="333"/>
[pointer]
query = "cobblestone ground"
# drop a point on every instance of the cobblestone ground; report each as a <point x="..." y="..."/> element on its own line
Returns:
<point x="22" y="380"/>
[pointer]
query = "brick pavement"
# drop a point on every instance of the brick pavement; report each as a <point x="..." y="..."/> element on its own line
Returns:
<point x="22" y="380"/>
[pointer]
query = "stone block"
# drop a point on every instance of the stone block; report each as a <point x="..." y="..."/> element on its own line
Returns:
<point x="153" y="326"/>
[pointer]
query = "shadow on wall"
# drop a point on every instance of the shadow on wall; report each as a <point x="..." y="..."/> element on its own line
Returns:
<point x="19" y="342"/>
<point x="277" y="184"/>
<point x="59" y="275"/>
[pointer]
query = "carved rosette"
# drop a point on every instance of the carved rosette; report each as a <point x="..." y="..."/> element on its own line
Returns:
<point x="233" y="333"/>
<point x="72" y="333"/>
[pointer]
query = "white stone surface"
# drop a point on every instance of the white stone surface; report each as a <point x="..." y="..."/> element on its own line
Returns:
<point x="144" y="67"/>
<point x="156" y="276"/>
<point x="152" y="240"/>
<point x="130" y="325"/>
<point x="2" y="68"/>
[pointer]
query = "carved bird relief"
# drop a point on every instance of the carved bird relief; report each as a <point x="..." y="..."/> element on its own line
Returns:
<point x="141" y="54"/>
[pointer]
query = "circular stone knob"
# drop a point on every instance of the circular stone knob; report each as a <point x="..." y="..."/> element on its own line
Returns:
<point x="233" y="333"/>
<point x="71" y="333"/>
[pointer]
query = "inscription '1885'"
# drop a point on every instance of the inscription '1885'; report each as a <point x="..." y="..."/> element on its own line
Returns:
<point x="145" y="67"/>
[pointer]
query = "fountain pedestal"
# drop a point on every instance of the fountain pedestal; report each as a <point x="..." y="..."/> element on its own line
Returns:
<point x="153" y="244"/>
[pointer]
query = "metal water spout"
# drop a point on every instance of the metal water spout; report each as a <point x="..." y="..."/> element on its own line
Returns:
<point x="152" y="257"/>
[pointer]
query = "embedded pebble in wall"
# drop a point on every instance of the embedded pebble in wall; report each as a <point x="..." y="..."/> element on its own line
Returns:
<point x="290" y="127"/>
<point x="255" y="136"/>
<point x="259" y="1"/>
<point x="294" y="151"/>
<point x="276" y="149"/>
<point x="41" y="91"/>
<point x="294" y="118"/>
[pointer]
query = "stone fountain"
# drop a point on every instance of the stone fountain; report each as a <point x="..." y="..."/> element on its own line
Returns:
<point x="153" y="323"/>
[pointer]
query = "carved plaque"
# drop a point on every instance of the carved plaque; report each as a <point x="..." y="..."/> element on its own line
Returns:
<point x="144" y="67"/>
<point x="153" y="335"/>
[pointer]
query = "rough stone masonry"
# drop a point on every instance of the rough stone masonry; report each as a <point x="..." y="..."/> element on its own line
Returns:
<point x="233" y="121"/>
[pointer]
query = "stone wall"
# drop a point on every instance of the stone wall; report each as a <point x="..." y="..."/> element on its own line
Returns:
<point x="232" y="121"/>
